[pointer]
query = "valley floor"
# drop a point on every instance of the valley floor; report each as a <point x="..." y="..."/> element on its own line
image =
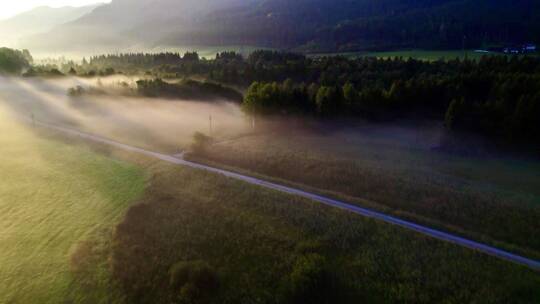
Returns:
<point x="249" y="243"/>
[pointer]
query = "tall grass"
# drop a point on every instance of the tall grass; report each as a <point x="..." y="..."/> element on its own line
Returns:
<point x="268" y="247"/>
<point x="489" y="199"/>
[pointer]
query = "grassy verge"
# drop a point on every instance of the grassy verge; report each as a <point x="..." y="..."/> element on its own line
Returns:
<point x="52" y="197"/>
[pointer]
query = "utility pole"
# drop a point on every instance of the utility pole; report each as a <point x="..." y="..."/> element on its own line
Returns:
<point x="210" y="124"/>
<point x="463" y="47"/>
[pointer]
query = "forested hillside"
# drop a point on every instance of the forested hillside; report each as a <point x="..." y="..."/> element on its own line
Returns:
<point x="352" y="25"/>
<point x="308" y="25"/>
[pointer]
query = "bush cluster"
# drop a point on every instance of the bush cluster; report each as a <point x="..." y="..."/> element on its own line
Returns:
<point x="187" y="89"/>
<point x="14" y="61"/>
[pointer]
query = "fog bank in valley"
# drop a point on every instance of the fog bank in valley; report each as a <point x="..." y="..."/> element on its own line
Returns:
<point x="160" y="124"/>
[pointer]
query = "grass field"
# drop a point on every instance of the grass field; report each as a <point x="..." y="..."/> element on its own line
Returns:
<point x="197" y="237"/>
<point x="418" y="54"/>
<point x="53" y="196"/>
<point x="267" y="247"/>
<point x="491" y="199"/>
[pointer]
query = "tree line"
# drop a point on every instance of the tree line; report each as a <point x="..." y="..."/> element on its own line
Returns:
<point x="139" y="59"/>
<point x="187" y="89"/>
<point x="495" y="96"/>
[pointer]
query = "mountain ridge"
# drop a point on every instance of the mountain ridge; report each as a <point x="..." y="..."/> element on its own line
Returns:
<point x="40" y="19"/>
<point x="307" y="25"/>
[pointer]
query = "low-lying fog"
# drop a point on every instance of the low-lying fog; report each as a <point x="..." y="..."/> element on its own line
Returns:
<point x="168" y="125"/>
<point x="160" y="124"/>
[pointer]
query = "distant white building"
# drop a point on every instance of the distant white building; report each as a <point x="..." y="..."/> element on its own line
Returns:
<point x="529" y="48"/>
<point x="523" y="49"/>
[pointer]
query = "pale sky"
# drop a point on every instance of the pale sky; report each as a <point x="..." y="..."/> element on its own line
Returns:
<point x="10" y="8"/>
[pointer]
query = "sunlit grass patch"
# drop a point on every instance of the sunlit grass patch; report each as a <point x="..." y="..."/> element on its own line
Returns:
<point x="52" y="196"/>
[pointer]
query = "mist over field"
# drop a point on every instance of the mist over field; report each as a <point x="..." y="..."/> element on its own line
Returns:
<point x="146" y="122"/>
<point x="169" y="123"/>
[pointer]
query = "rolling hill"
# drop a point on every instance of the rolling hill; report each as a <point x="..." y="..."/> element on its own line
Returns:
<point x="308" y="25"/>
<point x="39" y="20"/>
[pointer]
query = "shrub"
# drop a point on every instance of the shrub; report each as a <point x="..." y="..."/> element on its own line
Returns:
<point x="193" y="281"/>
<point x="76" y="91"/>
<point x="328" y="100"/>
<point x="13" y="61"/>
<point x="201" y="142"/>
<point x="309" y="282"/>
<point x="55" y="72"/>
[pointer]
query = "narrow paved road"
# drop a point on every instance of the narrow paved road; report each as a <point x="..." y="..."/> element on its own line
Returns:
<point x="533" y="264"/>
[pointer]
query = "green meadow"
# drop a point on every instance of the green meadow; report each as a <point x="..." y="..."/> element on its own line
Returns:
<point x="491" y="199"/>
<point x="53" y="196"/>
